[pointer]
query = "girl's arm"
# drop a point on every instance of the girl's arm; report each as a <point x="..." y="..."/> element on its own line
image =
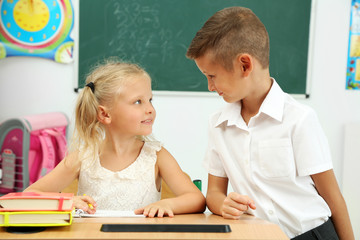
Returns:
<point x="328" y="189"/>
<point x="188" y="198"/>
<point x="59" y="178"/>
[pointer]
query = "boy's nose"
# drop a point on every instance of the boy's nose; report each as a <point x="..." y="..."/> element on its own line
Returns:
<point x="211" y="86"/>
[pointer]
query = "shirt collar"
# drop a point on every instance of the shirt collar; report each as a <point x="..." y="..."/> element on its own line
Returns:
<point x="273" y="106"/>
<point x="230" y="113"/>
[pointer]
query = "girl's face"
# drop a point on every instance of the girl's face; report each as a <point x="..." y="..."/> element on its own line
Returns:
<point x="132" y="112"/>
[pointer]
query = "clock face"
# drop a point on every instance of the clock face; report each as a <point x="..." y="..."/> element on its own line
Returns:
<point x="31" y="16"/>
<point x="37" y="28"/>
<point x="32" y="22"/>
<point x="64" y="53"/>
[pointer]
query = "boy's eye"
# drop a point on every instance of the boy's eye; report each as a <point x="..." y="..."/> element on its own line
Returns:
<point x="211" y="77"/>
<point x="138" y="102"/>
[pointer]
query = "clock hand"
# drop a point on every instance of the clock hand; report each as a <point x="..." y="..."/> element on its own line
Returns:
<point x="31" y="6"/>
<point x="67" y="50"/>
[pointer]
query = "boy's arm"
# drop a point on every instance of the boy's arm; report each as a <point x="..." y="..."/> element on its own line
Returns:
<point x="230" y="206"/>
<point x="216" y="193"/>
<point x="328" y="189"/>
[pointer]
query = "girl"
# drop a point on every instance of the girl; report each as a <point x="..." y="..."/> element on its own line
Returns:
<point x="118" y="167"/>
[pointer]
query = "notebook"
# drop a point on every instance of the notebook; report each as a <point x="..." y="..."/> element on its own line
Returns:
<point x="31" y="201"/>
<point x="106" y="214"/>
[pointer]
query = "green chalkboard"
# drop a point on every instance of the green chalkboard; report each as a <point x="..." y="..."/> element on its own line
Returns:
<point x="156" y="34"/>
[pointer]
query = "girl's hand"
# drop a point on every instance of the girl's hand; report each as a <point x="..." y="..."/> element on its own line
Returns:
<point x="157" y="209"/>
<point x="85" y="203"/>
<point x="235" y="205"/>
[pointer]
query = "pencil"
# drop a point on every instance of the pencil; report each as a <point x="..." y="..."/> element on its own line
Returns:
<point x="90" y="205"/>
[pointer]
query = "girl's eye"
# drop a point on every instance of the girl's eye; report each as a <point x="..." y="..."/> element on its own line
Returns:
<point x="151" y="100"/>
<point x="138" y="102"/>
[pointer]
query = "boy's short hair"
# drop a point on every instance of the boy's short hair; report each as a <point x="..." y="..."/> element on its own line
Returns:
<point x="230" y="32"/>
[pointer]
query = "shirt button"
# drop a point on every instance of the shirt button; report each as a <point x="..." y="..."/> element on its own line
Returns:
<point x="271" y="212"/>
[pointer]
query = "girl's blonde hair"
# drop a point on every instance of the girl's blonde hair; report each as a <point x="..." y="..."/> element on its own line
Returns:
<point x="103" y="84"/>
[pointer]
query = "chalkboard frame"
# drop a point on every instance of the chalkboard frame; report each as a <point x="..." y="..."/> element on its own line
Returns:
<point x="306" y="71"/>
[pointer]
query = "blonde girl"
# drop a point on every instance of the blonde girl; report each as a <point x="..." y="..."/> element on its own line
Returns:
<point x="117" y="166"/>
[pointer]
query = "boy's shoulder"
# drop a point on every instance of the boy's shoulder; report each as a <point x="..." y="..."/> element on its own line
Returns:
<point x="284" y="104"/>
<point x="290" y="108"/>
<point x="294" y="107"/>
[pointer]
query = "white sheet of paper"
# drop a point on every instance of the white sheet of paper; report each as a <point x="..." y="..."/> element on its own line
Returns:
<point x="106" y="213"/>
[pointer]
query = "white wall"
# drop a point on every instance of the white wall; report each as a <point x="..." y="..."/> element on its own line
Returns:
<point x="351" y="175"/>
<point x="35" y="85"/>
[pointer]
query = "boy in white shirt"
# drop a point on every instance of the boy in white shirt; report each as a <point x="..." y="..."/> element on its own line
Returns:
<point x="270" y="147"/>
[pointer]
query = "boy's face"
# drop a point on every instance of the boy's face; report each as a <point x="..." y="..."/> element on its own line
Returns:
<point x="232" y="86"/>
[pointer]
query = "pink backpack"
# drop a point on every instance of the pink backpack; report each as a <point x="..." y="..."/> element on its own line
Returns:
<point x="30" y="147"/>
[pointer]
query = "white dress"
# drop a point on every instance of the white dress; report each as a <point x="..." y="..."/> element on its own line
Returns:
<point x="125" y="190"/>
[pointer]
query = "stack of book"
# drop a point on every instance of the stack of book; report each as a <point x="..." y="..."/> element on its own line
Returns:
<point x="30" y="209"/>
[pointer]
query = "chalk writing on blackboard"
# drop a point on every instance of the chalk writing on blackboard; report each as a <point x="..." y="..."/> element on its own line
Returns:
<point x="156" y="34"/>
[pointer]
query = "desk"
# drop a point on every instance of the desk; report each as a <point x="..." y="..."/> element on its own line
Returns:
<point x="248" y="227"/>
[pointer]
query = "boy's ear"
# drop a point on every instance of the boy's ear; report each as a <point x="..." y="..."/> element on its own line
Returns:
<point x="103" y="115"/>
<point x="246" y="63"/>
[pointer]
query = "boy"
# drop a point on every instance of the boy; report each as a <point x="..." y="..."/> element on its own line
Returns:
<point x="270" y="147"/>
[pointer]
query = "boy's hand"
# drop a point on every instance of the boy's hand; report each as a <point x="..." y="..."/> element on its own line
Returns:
<point x="157" y="209"/>
<point x="235" y="205"/>
<point x="86" y="203"/>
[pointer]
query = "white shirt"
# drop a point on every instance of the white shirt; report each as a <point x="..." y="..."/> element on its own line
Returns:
<point x="271" y="159"/>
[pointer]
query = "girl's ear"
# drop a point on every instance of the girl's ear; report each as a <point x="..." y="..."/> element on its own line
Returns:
<point x="103" y="115"/>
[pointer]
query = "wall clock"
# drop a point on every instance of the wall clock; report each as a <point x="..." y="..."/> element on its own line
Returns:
<point x="40" y="28"/>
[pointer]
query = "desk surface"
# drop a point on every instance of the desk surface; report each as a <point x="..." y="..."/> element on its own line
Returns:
<point x="248" y="227"/>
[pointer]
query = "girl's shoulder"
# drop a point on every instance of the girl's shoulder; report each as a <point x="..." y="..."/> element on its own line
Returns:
<point x="153" y="145"/>
<point x="150" y="143"/>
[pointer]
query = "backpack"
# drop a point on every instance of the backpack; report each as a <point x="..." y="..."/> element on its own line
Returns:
<point x="30" y="147"/>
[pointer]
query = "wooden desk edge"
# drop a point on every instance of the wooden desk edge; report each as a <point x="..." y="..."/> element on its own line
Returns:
<point x="248" y="227"/>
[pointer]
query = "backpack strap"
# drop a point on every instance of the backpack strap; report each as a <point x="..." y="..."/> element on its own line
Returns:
<point x="51" y="154"/>
<point x="60" y="140"/>
<point x="48" y="151"/>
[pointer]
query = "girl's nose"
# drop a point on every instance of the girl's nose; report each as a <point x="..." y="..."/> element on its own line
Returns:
<point x="150" y="108"/>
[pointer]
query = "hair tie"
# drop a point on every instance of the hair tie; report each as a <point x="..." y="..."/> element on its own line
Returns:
<point x="91" y="86"/>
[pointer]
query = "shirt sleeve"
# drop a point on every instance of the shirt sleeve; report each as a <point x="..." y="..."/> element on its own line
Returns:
<point x="212" y="162"/>
<point x="311" y="148"/>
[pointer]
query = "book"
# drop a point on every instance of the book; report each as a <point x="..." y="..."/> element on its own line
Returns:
<point x="35" y="218"/>
<point x="31" y="201"/>
<point x="106" y="214"/>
